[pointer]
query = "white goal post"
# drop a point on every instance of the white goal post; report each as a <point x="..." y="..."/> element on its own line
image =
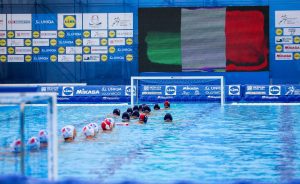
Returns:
<point x="136" y="78"/>
<point x="21" y="99"/>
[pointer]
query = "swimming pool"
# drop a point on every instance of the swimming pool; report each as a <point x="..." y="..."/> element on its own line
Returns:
<point x="205" y="143"/>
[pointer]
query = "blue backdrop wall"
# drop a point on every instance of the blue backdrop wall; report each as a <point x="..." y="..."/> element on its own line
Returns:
<point x="119" y="72"/>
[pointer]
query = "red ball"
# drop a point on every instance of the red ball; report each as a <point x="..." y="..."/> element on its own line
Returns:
<point x="106" y="125"/>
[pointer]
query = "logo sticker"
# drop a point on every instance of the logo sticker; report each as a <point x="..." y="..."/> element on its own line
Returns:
<point x="128" y="90"/>
<point x="274" y="90"/>
<point x="69" y="21"/>
<point x="170" y="90"/>
<point x="68" y="91"/>
<point x="234" y="90"/>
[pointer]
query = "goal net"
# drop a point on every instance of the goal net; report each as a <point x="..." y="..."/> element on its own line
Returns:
<point x="177" y="88"/>
<point x="23" y="116"/>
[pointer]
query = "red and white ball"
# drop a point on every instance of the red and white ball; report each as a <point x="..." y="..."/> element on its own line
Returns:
<point x="107" y="124"/>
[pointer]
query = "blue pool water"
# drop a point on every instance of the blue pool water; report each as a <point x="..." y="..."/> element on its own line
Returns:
<point x="205" y="144"/>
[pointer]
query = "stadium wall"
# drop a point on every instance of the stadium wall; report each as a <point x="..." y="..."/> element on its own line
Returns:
<point x="105" y="73"/>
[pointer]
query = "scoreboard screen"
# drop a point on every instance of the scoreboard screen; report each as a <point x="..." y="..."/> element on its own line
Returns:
<point x="203" y="39"/>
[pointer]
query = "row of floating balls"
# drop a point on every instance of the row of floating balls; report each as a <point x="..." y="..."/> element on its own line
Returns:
<point x="34" y="143"/>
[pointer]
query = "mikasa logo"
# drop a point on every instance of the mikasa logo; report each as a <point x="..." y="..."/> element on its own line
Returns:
<point x="87" y="92"/>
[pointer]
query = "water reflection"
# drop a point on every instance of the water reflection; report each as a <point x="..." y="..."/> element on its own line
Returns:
<point x="288" y="139"/>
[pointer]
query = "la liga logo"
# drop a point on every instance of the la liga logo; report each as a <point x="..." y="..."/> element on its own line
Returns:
<point x="69" y="21"/>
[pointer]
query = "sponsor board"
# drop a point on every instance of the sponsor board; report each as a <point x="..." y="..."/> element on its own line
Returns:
<point x="152" y="90"/>
<point x="48" y="34"/>
<point x="23" y="50"/>
<point x="61" y="50"/>
<point x="151" y="93"/>
<point x="91" y="57"/>
<point x="66" y="58"/>
<point x="120" y="20"/>
<point x="289" y="18"/>
<point x="48" y="50"/>
<point x="35" y="34"/>
<point x="104" y="57"/>
<point x="15" y="58"/>
<point x="69" y="21"/>
<point x="98" y="33"/>
<point x="73" y="50"/>
<point x="189" y="90"/>
<point x="86" y="34"/>
<point x="19" y="22"/>
<point x="2" y="42"/>
<point x="40" y="42"/>
<point x="117" y="57"/>
<point x="85" y="91"/>
<point x="48" y="89"/>
<point x="124" y="33"/>
<point x="112" y="50"/>
<point x="41" y="58"/>
<point x="28" y="58"/>
<point x="2" y="21"/>
<point x="112" y="90"/>
<point x="283" y="39"/>
<point x="116" y="41"/>
<point x="296" y="56"/>
<point x="23" y="34"/>
<point x="10" y="34"/>
<point x="291" y="48"/>
<point x="128" y="90"/>
<point x="112" y="33"/>
<point x="124" y="49"/>
<point x="129" y="57"/>
<point x="3" y="58"/>
<point x="15" y="42"/>
<point x="3" y="50"/>
<point x="296" y="39"/>
<point x="73" y="34"/>
<point x="212" y="90"/>
<point x="2" y="34"/>
<point x="256" y="90"/>
<point x="292" y="90"/>
<point x="234" y="90"/>
<point x="278" y="48"/>
<point x="103" y="41"/>
<point x="94" y="21"/>
<point x="65" y="42"/>
<point x="274" y="90"/>
<point x="283" y="56"/>
<point x="291" y="31"/>
<point x="91" y="42"/>
<point x="44" y="22"/>
<point x="10" y="50"/>
<point x="99" y="50"/>
<point x="67" y="91"/>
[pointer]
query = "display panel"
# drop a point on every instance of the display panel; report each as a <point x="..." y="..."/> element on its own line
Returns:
<point x="203" y="39"/>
